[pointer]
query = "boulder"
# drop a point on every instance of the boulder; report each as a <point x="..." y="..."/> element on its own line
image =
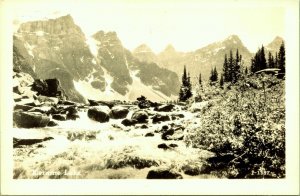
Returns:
<point x="29" y="101"/>
<point x="172" y="134"/>
<point x="173" y="145"/>
<point x="98" y="114"/>
<point x="128" y="122"/>
<point x="53" y="87"/>
<point x="118" y="112"/>
<point x="191" y="170"/>
<point x="52" y="124"/>
<point x="140" y="116"/>
<point x="163" y="174"/>
<point x="167" y="133"/>
<point x="159" y="118"/>
<point x="149" y="134"/>
<point x="59" y="117"/>
<point x="163" y="146"/>
<point x="165" y="108"/>
<point x="177" y="116"/>
<point x="30" y="119"/>
<point x="48" y="100"/>
<point x="72" y="113"/>
<point x="19" y="142"/>
<point x="40" y="86"/>
<point x="17" y="97"/>
<point x="42" y="109"/>
<point x="93" y="102"/>
<point x="22" y="107"/>
<point x="67" y="102"/>
<point x="144" y="126"/>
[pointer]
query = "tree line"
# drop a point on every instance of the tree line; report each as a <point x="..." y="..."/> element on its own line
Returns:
<point x="233" y="69"/>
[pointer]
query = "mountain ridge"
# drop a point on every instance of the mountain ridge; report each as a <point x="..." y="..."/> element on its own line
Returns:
<point x="59" y="48"/>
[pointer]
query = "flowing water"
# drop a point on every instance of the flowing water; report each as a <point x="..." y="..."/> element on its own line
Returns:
<point x="88" y="149"/>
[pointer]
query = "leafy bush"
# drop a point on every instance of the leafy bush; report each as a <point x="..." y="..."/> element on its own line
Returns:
<point x="245" y="127"/>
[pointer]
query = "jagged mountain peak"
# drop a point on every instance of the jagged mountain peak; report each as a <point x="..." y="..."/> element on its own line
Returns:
<point x="169" y="48"/>
<point x="276" y="42"/>
<point x="61" y="25"/>
<point x="107" y="37"/>
<point x="274" y="46"/>
<point x="143" y="48"/>
<point x="233" y="39"/>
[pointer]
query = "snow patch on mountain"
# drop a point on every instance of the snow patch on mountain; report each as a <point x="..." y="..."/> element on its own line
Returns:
<point x="93" y="45"/>
<point x="138" y="88"/>
<point x="29" y="48"/>
<point x="89" y="92"/>
<point x="40" y="33"/>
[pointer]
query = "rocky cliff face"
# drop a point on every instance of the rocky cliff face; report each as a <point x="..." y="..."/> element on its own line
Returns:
<point x="96" y="67"/>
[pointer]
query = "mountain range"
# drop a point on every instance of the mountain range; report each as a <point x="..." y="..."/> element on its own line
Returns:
<point x="99" y="67"/>
<point x="204" y="59"/>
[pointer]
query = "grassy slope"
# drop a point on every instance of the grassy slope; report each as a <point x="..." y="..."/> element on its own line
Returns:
<point x="244" y="124"/>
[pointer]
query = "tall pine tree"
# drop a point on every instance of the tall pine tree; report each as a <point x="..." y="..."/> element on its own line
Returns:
<point x="200" y="80"/>
<point x="271" y="63"/>
<point x="226" y="69"/>
<point x="185" y="91"/>
<point x="281" y="58"/>
<point x="259" y="62"/>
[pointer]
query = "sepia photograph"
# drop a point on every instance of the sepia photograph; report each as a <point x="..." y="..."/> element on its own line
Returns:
<point x="148" y="90"/>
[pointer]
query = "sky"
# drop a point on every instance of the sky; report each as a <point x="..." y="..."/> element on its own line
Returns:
<point x="186" y="24"/>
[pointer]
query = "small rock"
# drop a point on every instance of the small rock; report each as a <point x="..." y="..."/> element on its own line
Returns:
<point x="160" y="118"/>
<point x="18" y="142"/>
<point x="163" y="174"/>
<point x="59" y="117"/>
<point x="163" y="146"/>
<point x="128" y="122"/>
<point x="167" y="133"/>
<point x="52" y="124"/>
<point x="165" y="108"/>
<point x="144" y="126"/>
<point x="93" y="102"/>
<point x="149" y="134"/>
<point x="173" y="145"/>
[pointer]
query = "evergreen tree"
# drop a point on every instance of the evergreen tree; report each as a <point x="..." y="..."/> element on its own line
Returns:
<point x="276" y="60"/>
<point x="186" y="88"/>
<point x="221" y="81"/>
<point x="246" y="71"/>
<point x="271" y="63"/>
<point x="263" y="61"/>
<point x="281" y="58"/>
<point x="226" y="69"/>
<point x="258" y="62"/>
<point x="230" y="66"/>
<point x="236" y="68"/>
<point x="213" y="75"/>
<point x="200" y="80"/>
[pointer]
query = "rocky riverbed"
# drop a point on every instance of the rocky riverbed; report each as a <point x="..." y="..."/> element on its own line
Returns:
<point x="57" y="138"/>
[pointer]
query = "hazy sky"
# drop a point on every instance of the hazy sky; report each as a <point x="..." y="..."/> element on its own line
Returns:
<point x="187" y="25"/>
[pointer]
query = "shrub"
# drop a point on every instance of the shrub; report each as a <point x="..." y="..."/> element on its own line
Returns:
<point x="245" y="127"/>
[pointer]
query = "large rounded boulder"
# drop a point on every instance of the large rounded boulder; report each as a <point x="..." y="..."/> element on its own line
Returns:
<point x="140" y="116"/>
<point x="30" y="119"/>
<point x="118" y="112"/>
<point x="163" y="174"/>
<point x="99" y="114"/>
